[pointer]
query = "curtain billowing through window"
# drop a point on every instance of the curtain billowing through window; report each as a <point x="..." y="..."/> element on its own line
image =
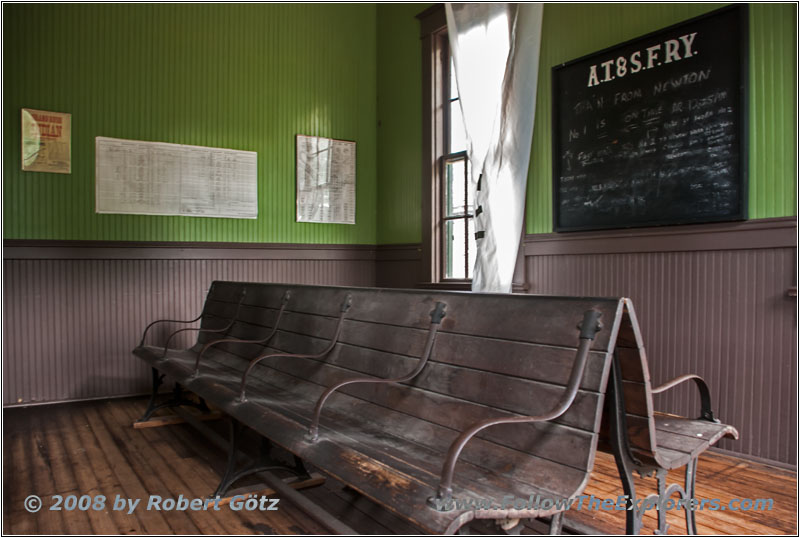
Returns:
<point x="495" y="50"/>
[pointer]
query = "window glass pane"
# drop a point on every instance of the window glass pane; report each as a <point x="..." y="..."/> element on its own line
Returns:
<point x="471" y="246"/>
<point x="453" y="85"/>
<point x="458" y="138"/>
<point x="454" y="248"/>
<point x="454" y="189"/>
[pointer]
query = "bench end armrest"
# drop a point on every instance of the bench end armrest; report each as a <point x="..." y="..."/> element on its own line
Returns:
<point x="705" y="394"/>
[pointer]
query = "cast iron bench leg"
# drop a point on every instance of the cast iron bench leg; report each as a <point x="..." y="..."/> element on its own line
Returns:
<point x="151" y="405"/>
<point x="621" y="450"/>
<point x="263" y="463"/>
<point x="176" y="400"/>
<point x="691" y="476"/>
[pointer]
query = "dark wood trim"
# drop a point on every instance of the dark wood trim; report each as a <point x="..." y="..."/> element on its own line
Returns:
<point x="431" y="20"/>
<point x="519" y="283"/>
<point x="403" y="252"/>
<point x="754" y="234"/>
<point x="16" y="249"/>
<point x="451" y="286"/>
<point x="429" y="267"/>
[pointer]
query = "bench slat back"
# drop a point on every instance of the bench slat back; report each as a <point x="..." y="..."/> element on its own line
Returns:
<point x="494" y="355"/>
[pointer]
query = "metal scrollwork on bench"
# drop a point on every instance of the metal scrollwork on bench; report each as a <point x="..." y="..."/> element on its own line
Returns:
<point x="265" y="340"/>
<point x="224" y="329"/>
<point x="202" y="313"/>
<point x="348" y="301"/>
<point x="436" y="318"/>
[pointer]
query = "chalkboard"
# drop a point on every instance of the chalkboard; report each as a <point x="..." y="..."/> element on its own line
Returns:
<point x="653" y="131"/>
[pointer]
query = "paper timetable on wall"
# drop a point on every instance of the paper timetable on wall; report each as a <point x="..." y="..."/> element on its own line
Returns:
<point x="326" y="180"/>
<point x="156" y="178"/>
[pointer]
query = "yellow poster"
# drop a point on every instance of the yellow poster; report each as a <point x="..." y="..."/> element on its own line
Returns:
<point x="46" y="141"/>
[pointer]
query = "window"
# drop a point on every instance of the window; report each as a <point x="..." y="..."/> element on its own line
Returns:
<point x="448" y="214"/>
<point x="456" y="212"/>
<point x="448" y="234"/>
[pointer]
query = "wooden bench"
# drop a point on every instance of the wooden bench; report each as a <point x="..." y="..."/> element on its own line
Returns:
<point x="491" y="396"/>
<point x="420" y="398"/>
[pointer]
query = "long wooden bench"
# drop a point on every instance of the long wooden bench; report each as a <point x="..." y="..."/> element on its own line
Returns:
<point x="518" y="363"/>
<point x="424" y="400"/>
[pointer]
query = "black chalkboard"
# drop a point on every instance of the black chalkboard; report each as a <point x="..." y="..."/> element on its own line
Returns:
<point x="653" y="131"/>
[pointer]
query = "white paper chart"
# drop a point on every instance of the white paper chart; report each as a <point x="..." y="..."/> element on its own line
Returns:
<point x="156" y="178"/>
<point x="326" y="180"/>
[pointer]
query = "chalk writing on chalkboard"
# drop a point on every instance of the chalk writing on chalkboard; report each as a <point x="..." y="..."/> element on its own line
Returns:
<point x="652" y="131"/>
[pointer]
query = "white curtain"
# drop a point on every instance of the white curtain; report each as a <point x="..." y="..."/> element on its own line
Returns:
<point x="495" y="50"/>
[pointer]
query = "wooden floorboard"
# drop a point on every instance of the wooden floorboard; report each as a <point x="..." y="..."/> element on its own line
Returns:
<point x="92" y="449"/>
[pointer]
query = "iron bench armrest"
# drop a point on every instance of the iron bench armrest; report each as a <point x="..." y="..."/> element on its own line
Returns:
<point x="589" y="328"/>
<point x="224" y="329"/>
<point x="436" y="317"/>
<point x="144" y="334"/>
<point x="705" y="395"/>
<point x="284" y="302"/>
<point x="348" y="301"/>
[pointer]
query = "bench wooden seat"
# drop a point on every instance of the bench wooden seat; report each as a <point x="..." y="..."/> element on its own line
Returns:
<point x="680" y="440"/>
<point x="281" y="359"/>
<point x="493" y="357"/>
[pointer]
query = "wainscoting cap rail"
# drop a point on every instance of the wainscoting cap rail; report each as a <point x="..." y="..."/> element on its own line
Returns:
<point x="25" y="249"/>
<point x="746" y="235"/>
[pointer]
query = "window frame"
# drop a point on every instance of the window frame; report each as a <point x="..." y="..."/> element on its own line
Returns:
<point x="443" y="217"/>
<point x="436" y="151"/>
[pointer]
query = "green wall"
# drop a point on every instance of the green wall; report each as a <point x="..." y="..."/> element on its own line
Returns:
<point x="252" y="76"/>
<point x="574" y="30"/>
<point x="247" y="76"/>
<point x="399" y="123"/>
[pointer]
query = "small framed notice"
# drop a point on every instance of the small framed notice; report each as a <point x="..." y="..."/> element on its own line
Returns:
<point x="46" y="141"/>
<point x="326" y="180"/>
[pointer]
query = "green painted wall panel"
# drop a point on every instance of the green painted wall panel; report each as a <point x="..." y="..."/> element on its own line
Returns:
<point x="773" y="105"/>
<point x="400" y="124"/>
<point x="574" y="30"/>
<point x="242" y="76"/>
<point x="185" y="74"/>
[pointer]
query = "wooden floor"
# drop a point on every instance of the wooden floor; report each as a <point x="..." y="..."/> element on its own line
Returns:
<point x="91" y="448"/>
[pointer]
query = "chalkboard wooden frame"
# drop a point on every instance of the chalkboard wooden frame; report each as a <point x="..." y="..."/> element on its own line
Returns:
<point x="735" y="184"/>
